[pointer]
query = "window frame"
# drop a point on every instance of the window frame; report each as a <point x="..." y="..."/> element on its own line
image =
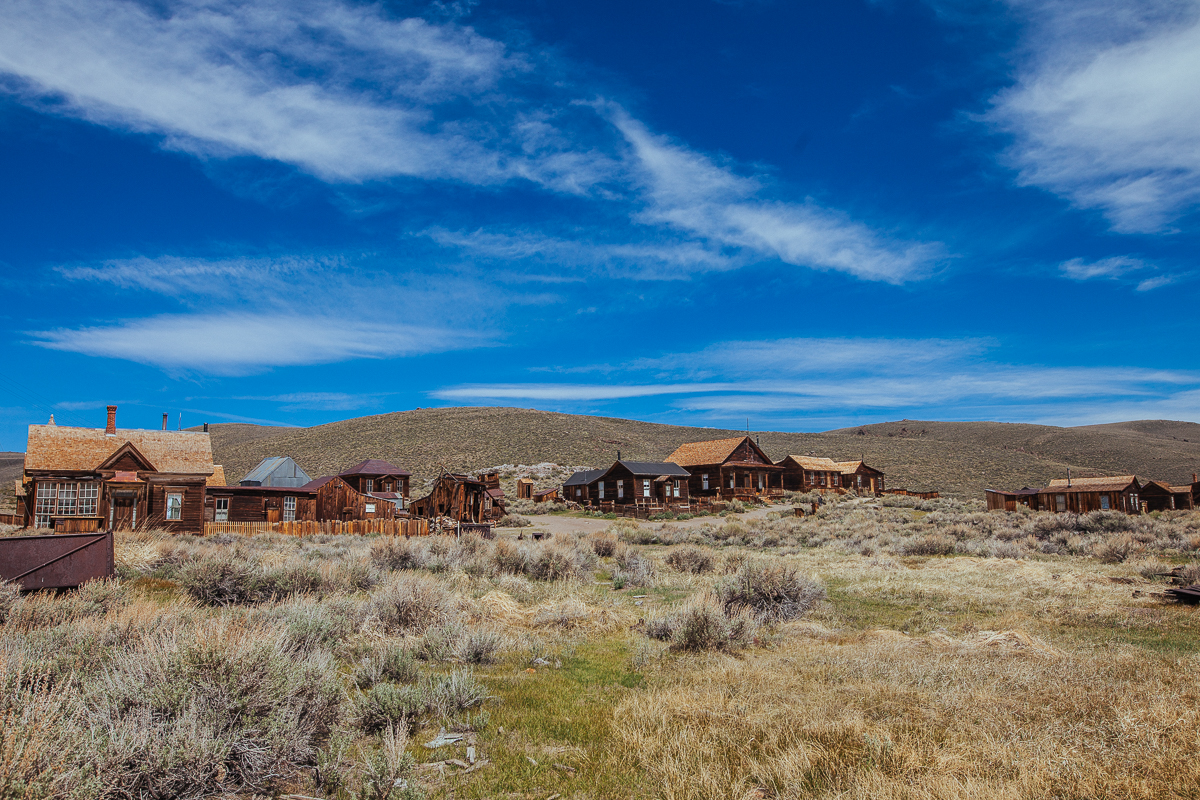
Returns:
<point x="600" y="489"/>
<point x="289" y="508"/>
<point x="221" y="514"/>
<point x="645" y="487"/>
<point x="168" y="508"/>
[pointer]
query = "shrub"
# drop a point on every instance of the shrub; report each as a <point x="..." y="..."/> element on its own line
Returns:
<point x="1189" y="574"/>
<point x="603" y="544"/>
<point x="396" y="553"/>
<point x="513" y="521"/>
<point x="412" y="603"/>
<point x="510" y="558"/>
<point x="395" y="664"/>
<point x="455" y="692"/>
<point x="221" y="580"/>
<point x="633" y="568"/>
<point x="440" y="643"/>
<point x="309" y="625"/>
<point x="1115" y="549"/>
<point x="933" y="544"/>
<point x="704" y="625"/>
<point x="10" y="595"/>
<point x="770" y="592"/>
<point x="386" y="704"/>
<point x="383" y="769"/>
<point x="690" y="559"/>
<point x="479" y="647"/>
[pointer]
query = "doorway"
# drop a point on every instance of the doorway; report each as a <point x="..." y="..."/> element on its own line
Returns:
<point x="122" y="513"/>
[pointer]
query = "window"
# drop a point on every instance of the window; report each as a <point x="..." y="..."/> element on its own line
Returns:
<point x="600" y="488"/>
<point x="1133" y="501"/>
<point x="47" y="503"/>
<point x="66" y="498"/>
<point x="1104" y="501"/>
<point x="221" y="511"/>
<point x="1060" y="502"/>
<point x="289" y="509"/>
<point x="704" y="482"/>
<point x="369" y="485"/>
<point x="645" y="487"/>
<point x="677" y="488"/>
<point x="620" y="489"/>
<point x="578" y="492"/>
<point x="89" y="496"/>
<point x="174" y="506"/>
<point x="860" y="480"/>
<point x="760" y="482"/>
<point x="369" y="508"/>
<point x="733" y="481"/>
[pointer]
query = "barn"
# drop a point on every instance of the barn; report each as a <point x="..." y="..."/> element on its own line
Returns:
<point x="84" y="479"/>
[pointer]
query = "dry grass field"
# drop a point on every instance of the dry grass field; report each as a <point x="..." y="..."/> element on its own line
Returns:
<point x="957" y="458"/>
<point x="883" y="648"/>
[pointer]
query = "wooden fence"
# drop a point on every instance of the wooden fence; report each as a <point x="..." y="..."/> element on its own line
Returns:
<point x="12" y="519"/>
<point x="907" y="493"/>
<point x="358" y="527"/>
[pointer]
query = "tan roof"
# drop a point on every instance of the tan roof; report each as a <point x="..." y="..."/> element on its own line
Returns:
<point x="817" y="463"/>
<point x="1114" y="483"/>
<point x="1185" y="489"/>
<point x="218" y="476"/>
<point x="53" y="447"/>
<point x="20" y="487"/>
<point x="713" y="452"/>
<point x="849" y="467"/>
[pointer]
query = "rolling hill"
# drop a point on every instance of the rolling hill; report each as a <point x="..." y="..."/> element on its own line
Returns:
<point x="957" y="458"/>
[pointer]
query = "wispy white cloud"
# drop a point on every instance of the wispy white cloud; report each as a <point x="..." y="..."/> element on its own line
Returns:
<point x="321" y="401"/>
<point x="849" y="377"/>
<point x="1106" y="108"/>
<point x="179" y="276"/>
<point x="1117" y="268"/>
<point x="237" y="343"/>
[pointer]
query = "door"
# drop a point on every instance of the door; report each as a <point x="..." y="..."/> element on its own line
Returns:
<point x="122" y="513"/>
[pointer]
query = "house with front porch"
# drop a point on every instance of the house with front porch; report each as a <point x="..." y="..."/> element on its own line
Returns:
<point x="728" y="469"/>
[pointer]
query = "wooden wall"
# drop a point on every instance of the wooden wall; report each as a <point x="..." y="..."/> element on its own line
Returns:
<point x="338" y="500"/>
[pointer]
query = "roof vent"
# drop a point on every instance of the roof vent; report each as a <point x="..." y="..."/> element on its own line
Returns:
<point x="51" y="422"/>
<point x="164" y="420"/>
<point x="111" y="428"/>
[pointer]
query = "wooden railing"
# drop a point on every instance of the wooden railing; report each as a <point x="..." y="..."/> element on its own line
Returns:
<point x="358" y="527"/>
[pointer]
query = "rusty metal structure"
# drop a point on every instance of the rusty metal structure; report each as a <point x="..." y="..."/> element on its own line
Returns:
<point x="57" y="561"/>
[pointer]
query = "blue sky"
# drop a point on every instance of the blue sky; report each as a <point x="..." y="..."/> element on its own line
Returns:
<point x="810" y="215"/>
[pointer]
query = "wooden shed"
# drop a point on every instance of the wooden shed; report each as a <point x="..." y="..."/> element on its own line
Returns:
<point x="999" y="500"/>
<point x="729" y="468"/>
<point x="1161" y="496"/>
<point x="338" y="500"/>
<point x="577" y="487"/>
<point x="259" y="504"/>
<point x="79" y="480"/>
<point x="524" y="489"/>
<point x="810" y="473"/>
<point x="459" y="497"/>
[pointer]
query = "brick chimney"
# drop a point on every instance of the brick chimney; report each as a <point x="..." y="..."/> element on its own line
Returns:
<point x="164" y="420"/>
<point x="111" y="428"/>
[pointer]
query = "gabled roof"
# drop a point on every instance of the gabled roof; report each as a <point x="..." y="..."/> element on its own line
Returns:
<point x="218" y="476"/>
<point x="59" y="447"/>
<point x="496" y="494"/>
<point x="1116" y="483"/>
<point x="656" y="468"/>
<point x="277" y="471"/>
<point x="815" y="463"/>
<point x="317" y="483"/>
<point x="583" y="477"/>
<point x="1185" y="489"/>
<point x="711" y="452"/>
<point x="545" y="492"/>
<point x="851" y="467"/>
<point x="374" y="466"/>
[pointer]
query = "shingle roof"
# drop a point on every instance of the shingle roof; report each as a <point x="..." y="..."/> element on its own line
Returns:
<point x="1113" y="483"/>
<point x="711" y="452"/>
<point x="218" y="476"/>
<point x="1185" y="489"/>
<point x="59" y="447"/>
<point x="655" y="468"/>
<point x="816" y="463"/>
<point x="375" y="466"/>
<point x="584" y="476"/>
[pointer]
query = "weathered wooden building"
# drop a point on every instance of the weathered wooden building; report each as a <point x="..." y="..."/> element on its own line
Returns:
<point x="1000" y="500"/>
<point x="577" y="487"/>
<point x="1161" y="496"/>
<point x="810" y="473"/>
<point x="546" y="495"/>
<point x="376" y="476"/>
<point x="857" y="476"/>
<point x="335" y="499"/>
<point x="87" y="479"/>
<point x="276" y="471"/>
<point x="259" y="504"/>
<point x="524" y="489"/>
<point x="456" y="496"/>
<point x="729" y="468"/>
<point x="1076" y="495"/>
<point x="638" y="483"/>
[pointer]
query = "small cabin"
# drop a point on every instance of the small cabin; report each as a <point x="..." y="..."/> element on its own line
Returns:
<point x="576" y="488"/>
<point x="276" y="471"/>
<point x="524" y="489"/>
<point x="546" y="496"/>
<point x="857" y="476"/>
<point x="1081" y="495"/>
<point x="1161" y="496"/>
<point x="640" y="483"/>
<point x="729" y="468"/>
<point x="998" y="500"/>
<point x="259" y="504"/>
<point x="810" y="473"/>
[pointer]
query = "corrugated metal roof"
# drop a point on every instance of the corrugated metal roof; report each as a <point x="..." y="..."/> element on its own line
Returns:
<point x="711" y="452"/>
<point x="584" y="476"/>
<point x="375" y="466"/>
<point x="277" y="471"/>
<point x="655" y="468"/>
<point x="59" y="447"/>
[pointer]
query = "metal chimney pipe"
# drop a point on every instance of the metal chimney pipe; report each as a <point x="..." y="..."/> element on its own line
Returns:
<point x="111" y="428"/>
<point x="164" y="420"/>
<point x="1068" y="477"/>
<point x="206" y="427"/>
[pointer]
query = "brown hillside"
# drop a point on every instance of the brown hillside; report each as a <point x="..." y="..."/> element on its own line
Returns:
<point x="959" y="458"/>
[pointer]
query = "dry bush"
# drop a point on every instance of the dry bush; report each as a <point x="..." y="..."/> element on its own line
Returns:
<point x="513" y="521"/>
<point x="934" y="544"/>
<point x="702" y="624"/>
<point x="771" y="592"/>
<point x="603" y="544"/>
<point x="412" y="604"/>
<point x="397" y="552"/>
<point x="10" y="595"/>
<point x="1115" y="549"/>
<point x="690" y="559"/>
<point x="1189" y="574"/>
<point x="479" y="647"/>
<point x="633" y="568"/>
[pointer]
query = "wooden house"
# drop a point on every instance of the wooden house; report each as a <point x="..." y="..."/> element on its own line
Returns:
<point x="857" y="476"/>
<point x="376" y="476"/>
<point x="642" y="483"/>
<point x="810" y="473"/>
<point x="576" y="488"/>
<point x="335" y="499"/>
<point x="276" y="471"/>
<point x="1081" y="495"/>
<point x="524" y="489"/>
<point x="88" y="479"/>
<point x="259" y="504"/>
<point x="729" y="468"/>
<point x="459" y="497"/>
<point x="1161" y="496"/>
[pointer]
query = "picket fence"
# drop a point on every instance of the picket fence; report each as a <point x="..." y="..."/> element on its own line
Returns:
<point x="357" y="527"/>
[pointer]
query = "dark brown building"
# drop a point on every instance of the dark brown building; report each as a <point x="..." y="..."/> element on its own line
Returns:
<point x="378" y="476"/>
<point x="87" y="479"/>
<point x="335" y="499"/>
<point x="857" y="476"/>
<point x="1161" y="496"/>
<point x="259" y="504"/>
<point x="637" y="483"/>
<point x="1075" y="495"/>
<point x="729" y="468"/>
<point x="459" y="497"/>
<point x="810" y="473"/>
